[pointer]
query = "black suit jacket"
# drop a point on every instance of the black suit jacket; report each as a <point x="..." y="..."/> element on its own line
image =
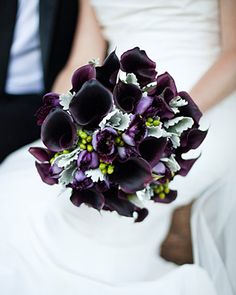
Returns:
<point x="58" y="19"/>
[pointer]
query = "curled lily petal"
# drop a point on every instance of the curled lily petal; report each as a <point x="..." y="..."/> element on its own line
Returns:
<point x="151" y="149"/>
<point x="90" y="197"/>
<point x="126" y="96"/>
<point x="58" y="131"/>
<point x="50" y="101"/>
<point x="107" y="73"/>
<point x="41" y="154"/>
<point x="81" y="75"/>
<point x="132" y="175"/>
<point x="137" y="62"/>
<point x="192" y="139"/>
<point x="165" y="81"/>
<point x="90" y="104"/>
<point x="170" y="197"/>
<point x="191" y="109"/>
<point x="49" y="174"/>
<point x="185" y="165"/>
<point x="113" y="202"/>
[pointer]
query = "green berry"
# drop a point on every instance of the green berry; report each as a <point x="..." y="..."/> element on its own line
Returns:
<point x="84" y="141"/>
<point x="89" y="138"/>
<point x="156" y="123"/>
<point x="89" y="147"/>
<point x="148" y="124"/>
<point x="118" y="140"/>
<point x="102" y="166"/>
<point x="150" y="120"/>
<point x="167" y="190"/>
<point x="110" y="169"/>
<point x="122" y="143"/>
<point x="82" y="146"/>
<point x="104" y="171"/>
<point x="162" y="196"/>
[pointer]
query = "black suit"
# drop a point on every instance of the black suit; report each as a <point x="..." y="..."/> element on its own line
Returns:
<point x="57" y="25"/>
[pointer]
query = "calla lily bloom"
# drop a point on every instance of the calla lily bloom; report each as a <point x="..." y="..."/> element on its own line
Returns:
<point x="126" y="96"/>
<point x="132" y="175"/>
<point x="41" y="154"/>
<point x="191" y="139"/>
<point x="50" y="102"/>
<point x="107" y="73"/>
<point x="91" y="197"/>
<point x="91" y="104"/>
<point x="49" y="174"/>
<point x="58" y="131"/>
<point x="81" y="75"/>
<point x="151" y="149"/>
<point x="137" y="62"/>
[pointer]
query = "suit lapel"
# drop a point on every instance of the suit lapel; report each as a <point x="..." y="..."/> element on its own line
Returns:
<point x="48" y="11"/>
<point x="8" y="11"/>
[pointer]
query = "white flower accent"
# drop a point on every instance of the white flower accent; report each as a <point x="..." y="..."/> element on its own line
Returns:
<point x="116" y="119"/>
<point x="171" y="163"/>
<point x="177" y="102"/>
<point x="145" y="194"/>
<point x="95" y="174"/>
<point x="178" y="125"/>
<point x="149" y="87"/>
<point x="65" y="99"/>
<point x="67" y="175"/>
<point x="64" y="160"/>
<point x="128" y="78"/>
<point x="156" y="131"/>
<point x="94" y="62"/>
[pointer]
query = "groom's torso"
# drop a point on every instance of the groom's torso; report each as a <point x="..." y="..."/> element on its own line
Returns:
<point x="57" y="23"/>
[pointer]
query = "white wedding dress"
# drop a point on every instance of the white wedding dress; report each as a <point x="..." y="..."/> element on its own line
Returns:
<point x="48" y="246"/>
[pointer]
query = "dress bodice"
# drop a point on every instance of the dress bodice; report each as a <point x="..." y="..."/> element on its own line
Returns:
<point x="181" y="36"/>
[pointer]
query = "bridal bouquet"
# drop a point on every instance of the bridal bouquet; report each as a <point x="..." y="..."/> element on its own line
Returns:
<point x="116" y="139"/>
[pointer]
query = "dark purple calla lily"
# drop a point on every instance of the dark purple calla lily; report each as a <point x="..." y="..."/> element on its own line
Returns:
<point x="81" y="75"/>
<point x="135" y="132"/>
<point x="191" y="139"/>
<point x="107" y="73"/>
<point x="191" y="109"/>
<point x="164" y="82"/>
<point x="49" y="174"/>
<point x="151" y="149"/>
<point x="185" y="165"/>
<point x="58" y="131"/>
<point x="170" y="197"/>
<point x="104" y="143"/>
<point x="41" y="154"/>
<point x="90" y="104"/>
<point x="50" y="102"/>
<point x="87" y="160"/>
<point x="126" y="96"/>
<point x="132" y="175"/>
<point x="89" y="197"/>
<point x="115" y="201"/>
<point x="136" y="61"/>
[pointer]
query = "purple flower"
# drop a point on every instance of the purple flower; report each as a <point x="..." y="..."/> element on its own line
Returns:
<point x="132" y="175"/>
<point x="87" y="160"/>
<point x="49" y="174"/>
<point x="191" y="139"/>
<point x="41" y="154"/>
<point x="137" y="62"/>
<point x="81" y="75"/>
<point x="90" y="197"/>
<point x="107" y="73"/>
<point x="143" y="105"/>
<point x="90" y="104"/>
<point x="126" y="96"/>
<point x="126" y="152"/>
<point x="50" y="102"/>
<point x="191" y="109"/>
<point x="104" y="143"/>
<point x="165" y="82"/>
<point x="117" y="200"/>
<point x="151" y="149"/>
<point x="81" y="181"/>
<point x="135" y="132"/>
<point x="58" y="131"/>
